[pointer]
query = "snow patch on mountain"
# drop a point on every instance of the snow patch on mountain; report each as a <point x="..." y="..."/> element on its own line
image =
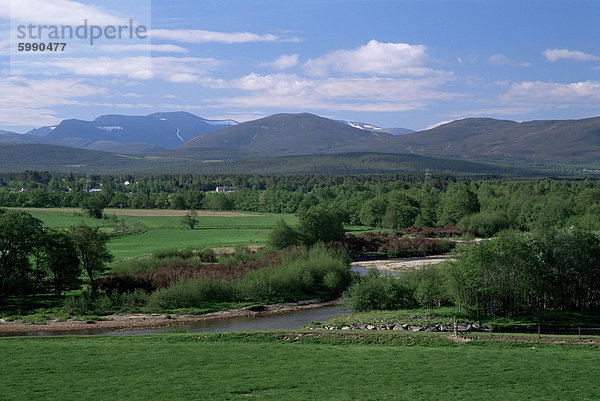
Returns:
<point x="179" y="136"/>
<point x="363" y="126"/>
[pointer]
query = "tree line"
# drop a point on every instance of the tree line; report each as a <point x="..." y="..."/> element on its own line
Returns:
<point x="35" y="259"/>
<point x="481" y="207"/>
<point x="515" y="273"/>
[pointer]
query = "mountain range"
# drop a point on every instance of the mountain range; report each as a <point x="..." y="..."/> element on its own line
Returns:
<point x="289" y="134"/>
<point x="491" y="139"/>
<point x="179" y="136"/>
<point x="139" y="133"/>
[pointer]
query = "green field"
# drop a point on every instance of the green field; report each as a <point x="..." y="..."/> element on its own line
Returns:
<point x="170" y="231"/>
<point x="239" y="366"/>
<point x="66" y="219"/>
<point x="212" y="231"/>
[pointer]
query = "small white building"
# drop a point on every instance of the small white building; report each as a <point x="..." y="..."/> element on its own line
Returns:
<point x="226" y="189"/>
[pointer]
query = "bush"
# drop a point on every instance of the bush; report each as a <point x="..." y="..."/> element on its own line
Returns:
<point x="485" y="224"/>
<point x="203" y="254"/>
<point x="241" y="254"/>
<point x="321" y="224"/>
<point x="282" y="236"/>
<point x="297" y="273"/>
<point x="86" y="304"/>
<point x="132" y="300"/>
<point x="191" y="293"/>
<point x="428" y="286"/>
<point x="376" y="291"/>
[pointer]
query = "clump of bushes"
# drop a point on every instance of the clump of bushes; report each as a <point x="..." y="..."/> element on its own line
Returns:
<point x="203" y="254"/>
<point x="376" y="291"/>
<point x="423" y="287"/>
<point x="485" y="224"/>
<point x="395" y="245"/>
<point x="449" y="230"/>
<point x="87" y="304"/>
<point x="298" y="273"/>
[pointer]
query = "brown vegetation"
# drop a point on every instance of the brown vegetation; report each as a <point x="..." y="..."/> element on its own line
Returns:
<point x="394" y="244"/>
<point x="151" y="280"/>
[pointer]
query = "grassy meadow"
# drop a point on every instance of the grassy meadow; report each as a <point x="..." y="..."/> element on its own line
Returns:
<point x="270" y="366"/>
<point x="211" y="232"/>
<point x="226" y="230"/>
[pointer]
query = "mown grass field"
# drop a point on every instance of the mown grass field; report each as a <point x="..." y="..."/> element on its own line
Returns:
<point x="240" y="366"/>
<point x="228" y="229"/>
<point x="66" y="219"/>
<point x="211" y="232"/>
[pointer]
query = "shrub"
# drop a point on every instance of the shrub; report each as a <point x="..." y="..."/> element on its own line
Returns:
<point x="428" y="286"/>
<point x="294" y="274"/>
<point x="191" y="293"/>
<point x="130" y="301"/>
<point x="485" y="224"/>
<point x="376" y="291"/>
<point x="321" y="224"/>
<point x="282" y="236"/>
<point x="86" y="304"/>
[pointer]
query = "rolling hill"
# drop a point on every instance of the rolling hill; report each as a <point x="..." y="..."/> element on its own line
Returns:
<point x="290" y="134"/>
<point x="487" y="138"/>
<point x="14" y="138"/>
<point x="17" y="158"/>
<point x="563" y="146"/>
<point x="140" y="133"/>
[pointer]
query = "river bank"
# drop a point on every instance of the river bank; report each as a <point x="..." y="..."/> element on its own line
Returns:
<point x="142" y="321"/>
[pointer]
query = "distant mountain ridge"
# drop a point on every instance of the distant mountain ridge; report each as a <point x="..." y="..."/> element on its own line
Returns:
<point x="289" y="134"/>
<point x="286" y="134"/>
<point x="140" y="133"/>
<point x="488" y="138"/>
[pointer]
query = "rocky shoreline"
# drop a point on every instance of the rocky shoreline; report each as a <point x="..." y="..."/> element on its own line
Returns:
<point x="463" y="327"/>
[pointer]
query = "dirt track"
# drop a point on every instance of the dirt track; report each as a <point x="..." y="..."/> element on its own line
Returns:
<point x="141" y="212"/>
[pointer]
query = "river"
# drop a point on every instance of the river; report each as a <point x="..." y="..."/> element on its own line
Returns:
<point x="283" y="321"/>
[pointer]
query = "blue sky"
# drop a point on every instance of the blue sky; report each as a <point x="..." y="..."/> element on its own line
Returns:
<point x="409" y="64"/>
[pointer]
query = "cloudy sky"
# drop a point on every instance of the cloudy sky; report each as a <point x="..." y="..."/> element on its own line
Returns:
<point x="409" y="64"/>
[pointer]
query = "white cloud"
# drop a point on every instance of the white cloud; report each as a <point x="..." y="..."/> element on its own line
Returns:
<point x="28" y="102"/>
<point x="142" y="48"/>
<point x="522" y="98"/>
<point x="553" y="55"/>
<point x="553" y="93"/>
<point x="375" y="58"/>
<point x="57" y="12"/>
<point x="350" y="93"/>
<point x="173" y="69"/>
<point x="182" y="78"/>
<point x="502" y="60"/>
<point x="202" y="36"/>
<point x="282" y="62"/>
